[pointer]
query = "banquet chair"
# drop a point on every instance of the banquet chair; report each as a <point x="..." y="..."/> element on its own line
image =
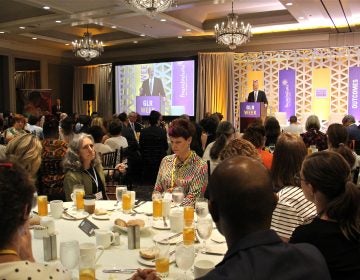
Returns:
<point x="109" y="159"/>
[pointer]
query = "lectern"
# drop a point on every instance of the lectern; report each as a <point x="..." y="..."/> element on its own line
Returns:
<point x="249" y="112"/>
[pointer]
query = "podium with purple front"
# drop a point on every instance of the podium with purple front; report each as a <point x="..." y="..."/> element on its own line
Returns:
<point x="145" y="104"/>
<point x="249" y="112"/>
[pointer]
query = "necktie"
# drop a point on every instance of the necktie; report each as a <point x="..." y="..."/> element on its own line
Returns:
<point x="150" y="85"/>
<point x="255" y="94"/>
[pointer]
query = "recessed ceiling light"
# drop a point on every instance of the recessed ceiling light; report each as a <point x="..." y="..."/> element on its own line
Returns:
<point x="188" y="30"/>
<point x="114" y="26"/>
<point x="300" y="18"/>
<point x="135" y="42"/>
<point x="22" y="27"/>
<point x="67" y="44"/>
<point x="34" y="38"/>
<point x="142" y="35"/>
<point x="289" y="4"/>
<point x="179" y="37"/>
<point x="2" y="32"/>
<point x="58" y="21"/>
<point x="46" y="8"/>
<point x="163" y="19"/>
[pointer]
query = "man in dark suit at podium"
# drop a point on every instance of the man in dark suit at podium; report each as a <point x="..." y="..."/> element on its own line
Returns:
<point x="257" y="95"/>
<point x="152" y="86"/>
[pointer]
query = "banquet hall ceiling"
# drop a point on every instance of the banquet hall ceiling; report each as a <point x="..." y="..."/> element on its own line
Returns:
<point x="122" y="27"/>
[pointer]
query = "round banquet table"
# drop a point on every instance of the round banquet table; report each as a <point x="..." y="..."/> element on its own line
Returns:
<point x="120" y="256"/>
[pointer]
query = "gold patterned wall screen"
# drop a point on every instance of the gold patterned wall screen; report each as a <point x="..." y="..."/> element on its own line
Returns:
<point x="338" y="60"/>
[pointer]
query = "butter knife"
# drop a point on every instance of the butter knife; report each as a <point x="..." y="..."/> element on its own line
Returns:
<point x="213" y="253"/>
<point x="171" y="237"/>
<point x="120" y="270"/>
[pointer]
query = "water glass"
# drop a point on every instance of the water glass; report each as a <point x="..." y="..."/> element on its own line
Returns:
<point x="157" y="205"/>
<point x="69" y="254"/>
<point x="87" y="267"/>
<point x="162" y="259"/>
<point x="78" y="196"/>
<point x="126" y="202"/>
<point x="42" y="202"/>
<point x="184" y="256"/>
<point x="119" y="190"/>
<point x="178" y="195"/>
<point x="201" y="207"/>
<point x="189" y="232"/>
<point x="204" y="229"/>
<point x="188" y="213"/>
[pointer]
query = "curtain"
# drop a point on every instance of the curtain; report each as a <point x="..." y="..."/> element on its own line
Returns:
<point x="100" y="75"/>
<point x="216" y="85"/>
<point x="27" y="79"/>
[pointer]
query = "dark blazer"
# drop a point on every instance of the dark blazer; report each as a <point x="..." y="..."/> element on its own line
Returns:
<point x="158" y="89"/>
<point x="55" y="111"/>
<point x="138" y="127"/>
<point x="261" y="97"/>
<point x="354" y="132"/>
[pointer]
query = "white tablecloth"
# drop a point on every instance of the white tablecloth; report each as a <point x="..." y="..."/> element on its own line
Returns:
<point x="115" y="256"/>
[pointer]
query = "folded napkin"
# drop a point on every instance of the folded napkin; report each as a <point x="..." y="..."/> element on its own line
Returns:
<point x="145" y="208"/>
<point x="217" y="249"/>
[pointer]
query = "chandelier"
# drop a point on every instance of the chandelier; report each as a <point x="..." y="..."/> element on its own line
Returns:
<point x="151" y="6"/>
<point x="87" y="48"/>
<point x="232" y="34"/>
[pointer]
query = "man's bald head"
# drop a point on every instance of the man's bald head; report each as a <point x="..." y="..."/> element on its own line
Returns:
<point x="240" y="191"/>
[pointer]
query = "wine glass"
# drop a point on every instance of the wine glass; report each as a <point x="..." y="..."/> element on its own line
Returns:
<point x="184" y="256"/>
<point x="119" y="191"/>
<point x="69" y="254"/>
<point x="201" y="207"/>
<point x="204" y="227"/>
<point x="178" y="195"/>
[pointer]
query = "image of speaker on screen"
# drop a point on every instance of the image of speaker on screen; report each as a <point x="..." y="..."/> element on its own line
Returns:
<point x="257" y="95"/>
<point x="152" y="86"/>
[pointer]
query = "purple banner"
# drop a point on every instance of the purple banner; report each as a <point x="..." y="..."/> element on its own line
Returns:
<point x="287" y="92"/>
<point x="353" y="96"/>
<point x="250" y="110"/>
<point x="183" y="87"/>
<point x="145" y="104"/>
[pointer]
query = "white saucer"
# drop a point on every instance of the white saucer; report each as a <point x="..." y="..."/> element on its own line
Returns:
<point x="161" y="236"/>
<point x="77" y="215"/>
<point x="151" y="263"/>
<point x="160" y="225"/>
<point x="101" y="217"/>
<point x="217" y="237"/>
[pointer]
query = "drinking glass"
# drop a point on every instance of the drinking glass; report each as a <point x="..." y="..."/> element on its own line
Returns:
<point x="126" y="202"/>
<point x="42" y="202"/>
<point x="162" y="259"/>
<point x="178" y="195"/>
<point x="184" y="256"/>
<point x="188" y="232"/>
<point x="188" y="213"/>
<point x="87" y="267"/>
<point x="119" y="190"/>
<point x="204" y="229"/>
<point x="78" y="193"/>
<point x="201" y="207"/>
<point x="157" y="205"/>
<point x="69" y="254"/>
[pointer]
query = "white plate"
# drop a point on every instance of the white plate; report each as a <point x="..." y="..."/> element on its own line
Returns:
<point x="151" y="263"/>
<point x="217" y="237"/>
<point x="101" y="217"/>
<point x="161" y="236"/>
<point x="78" y="215"/>
<point x="160" y="224"/>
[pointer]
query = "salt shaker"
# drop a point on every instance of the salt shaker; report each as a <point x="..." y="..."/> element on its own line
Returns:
<point x="133" y="237"/>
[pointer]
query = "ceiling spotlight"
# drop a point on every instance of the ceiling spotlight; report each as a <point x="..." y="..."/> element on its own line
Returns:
<point x="180" y="37"/>
<point x="142" y="35"/>
<point x="22" y="27"/>
<point x="114" y="26"/>
<point x="67" y="44"/>
<point x="46" y="8"/>
<point x="289" y="4"/>
<point x="58" y="21"/>
<point x="135" y="42"/>
<point x="188" y="30"/>
<point x="34" y="38"/>
<point x="163" y="19"/>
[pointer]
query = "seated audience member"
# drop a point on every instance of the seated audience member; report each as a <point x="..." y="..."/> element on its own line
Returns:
<point x="34" y="128"/>
<point x="294" y="127"/>
<point x="336" y="229"/>
<point x="16" y="256"/>
<point x="224" y="133"/>
<point x="239" y="147"/>
<point x="98" y="133"/>
<point x="292" y="209"/>
<point x="184" y="168"/>
<point x="241" y="206"/>
<point x="17" y="127"/>
<point x="116" y="140"/>
<point x="99" y="121"/>
<point x="82" y="166"/>
<point x="354" y="132"/>
<point x="66" y="131"/>
<point x="255" y="134"/>
<point x="209" y="126"/>
<point x="153" y="147"/>
<point x="313" y="135"/>
<point x="196" y="143"/>
<point x="26" y="149"/>
<point x="272" y="131"/>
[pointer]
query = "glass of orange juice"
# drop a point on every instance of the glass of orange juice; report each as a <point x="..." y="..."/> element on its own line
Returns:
<point x="188" y="213"/>
<point x="189" y="232"/>
<point x="126" y="202"/>
<point x="157" y="205"/>
<point x="87" y="267"/>
<point x="42" y="203"/>
<point x="162" y="259"/>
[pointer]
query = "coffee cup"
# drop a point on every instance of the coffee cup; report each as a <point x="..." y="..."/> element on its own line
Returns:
<point x="89" y="203"/>
<point x="176" y="220"/>
<point x="48" y="223"/>
<point x="104" y="238"/>
<point x="56" y="208"/>
<point x="202" y="267"/>
<point x="89" y="249"/>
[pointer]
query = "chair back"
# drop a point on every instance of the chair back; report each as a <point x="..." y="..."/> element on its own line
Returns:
<point x="109" y="159"/>
<point x="51" y="179"/>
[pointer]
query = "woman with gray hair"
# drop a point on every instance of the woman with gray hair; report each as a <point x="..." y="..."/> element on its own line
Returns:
<point x="313" y="136"/>
<point x="82" y="166"/>
<point x="224" y="133"/>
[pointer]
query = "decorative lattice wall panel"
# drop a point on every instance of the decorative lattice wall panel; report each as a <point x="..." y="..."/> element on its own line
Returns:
<point x="338" y="60"/>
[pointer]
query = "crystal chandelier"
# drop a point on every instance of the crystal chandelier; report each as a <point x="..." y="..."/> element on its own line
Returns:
<point x="233" y="34"/>
<point x="87" y="48"/>
<point x="151" y="6"/>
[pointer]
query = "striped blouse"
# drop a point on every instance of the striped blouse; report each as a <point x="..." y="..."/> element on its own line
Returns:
<point x="191" y="175"/>
<point x="292" y="210"/>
